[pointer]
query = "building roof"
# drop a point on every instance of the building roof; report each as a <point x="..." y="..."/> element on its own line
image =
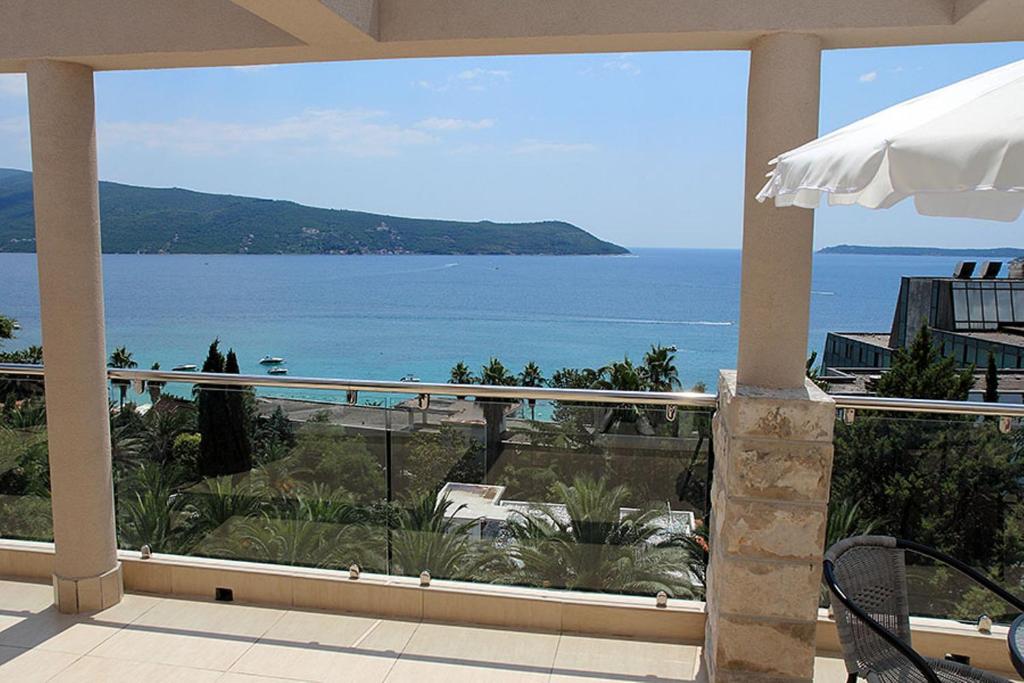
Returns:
<point x="139" y="34"/>
<point x="880" y="339"/>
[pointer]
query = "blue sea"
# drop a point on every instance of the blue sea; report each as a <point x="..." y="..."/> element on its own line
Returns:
<point x="383" y="317"/>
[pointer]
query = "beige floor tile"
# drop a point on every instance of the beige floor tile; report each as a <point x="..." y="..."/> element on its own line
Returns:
<point x="29" y="666"/>
<point x="90" y="669"/>
<point x="829" y="669"/>
<point x="211" y="617"/>
<point x="410" y="671"/>
<point x="327" y="647"/>
<point x="22" y="595"/>
<point x="206" y="635"/>
<point x="48" y="629"/>
<point x="231" y="677"/>
<point x="585" y="659"/>
<point x="482" y="645"/>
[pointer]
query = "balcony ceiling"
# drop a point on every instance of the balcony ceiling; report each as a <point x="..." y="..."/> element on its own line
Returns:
<point x="137" y="34"/>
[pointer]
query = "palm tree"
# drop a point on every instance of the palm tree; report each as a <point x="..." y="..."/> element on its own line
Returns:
<point x="461" y="374"/>
<point x="495" y="374"/>
<point x="593" y="546"/>
<point x="122" y="358"/>
<point x="531" y="376"/>
<point x="659" y="369"/>
<point x="620" y="376"/>
<point x="149" y="512"/>
<point x="154" y="387"/>
<point x="428" y="538"/>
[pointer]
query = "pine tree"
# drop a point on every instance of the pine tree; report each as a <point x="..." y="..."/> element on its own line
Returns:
<point x="920" y="371"/>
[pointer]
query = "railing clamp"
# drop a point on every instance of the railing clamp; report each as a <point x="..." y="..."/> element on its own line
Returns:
<point x="670" y="413"/>
<point x="423" y="400"/>
<point x="849" y="415"/>
<point x="351" y="397"/>
<point x="1005" y="424"/>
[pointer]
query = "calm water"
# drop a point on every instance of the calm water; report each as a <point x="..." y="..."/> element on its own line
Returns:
<point x="381" y="317"/>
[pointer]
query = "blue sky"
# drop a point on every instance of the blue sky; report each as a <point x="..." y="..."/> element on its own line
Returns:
<point x="641" y="149"/>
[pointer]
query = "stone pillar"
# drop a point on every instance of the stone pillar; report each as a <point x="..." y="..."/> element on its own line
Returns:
<point x="87" y="574"/>
<point x="773" y="465"/>
<point x="773" y="429"/>
<point x="775" y="290"/>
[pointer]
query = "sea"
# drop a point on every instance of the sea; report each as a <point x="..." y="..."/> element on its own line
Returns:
<point x="387" y="317"/>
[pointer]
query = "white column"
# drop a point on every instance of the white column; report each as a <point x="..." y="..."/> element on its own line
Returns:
<point x="87" y="575"/>
<point x="782" y="113"/>
<point x="773" y="427"/>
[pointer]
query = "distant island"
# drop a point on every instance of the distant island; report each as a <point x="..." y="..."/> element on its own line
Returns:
<point x="997" y="252"/>
<point x="175" y="221"/>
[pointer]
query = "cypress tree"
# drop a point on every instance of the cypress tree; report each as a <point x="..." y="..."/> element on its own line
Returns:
<point x="991" y="380"/>
<point x="222" y="420"/>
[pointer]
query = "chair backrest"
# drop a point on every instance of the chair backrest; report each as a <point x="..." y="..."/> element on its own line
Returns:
<point x="871" y="572"/>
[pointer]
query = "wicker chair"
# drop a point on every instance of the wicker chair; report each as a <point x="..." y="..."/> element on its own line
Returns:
<point x="867" y="578"/>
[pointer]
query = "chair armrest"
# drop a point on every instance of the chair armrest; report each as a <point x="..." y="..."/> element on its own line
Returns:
<point x="966" y="570"/>
<point x="919" y="663"/>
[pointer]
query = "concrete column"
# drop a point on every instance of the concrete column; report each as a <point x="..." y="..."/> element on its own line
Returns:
<point x="87" y="575"/>
<point x="773" y="429"/>
<point x="782" y="113"/>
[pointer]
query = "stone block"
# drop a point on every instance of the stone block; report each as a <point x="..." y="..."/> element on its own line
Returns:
<point x="778" y="470"/>
<point x="805" y="414"/>
<point x="766" y="530"/>
<point x="766" y="588"/>
<point x="763" y="650"/>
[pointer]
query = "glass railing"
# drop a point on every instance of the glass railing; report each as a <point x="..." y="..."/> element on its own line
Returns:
<point x="947" y="481"/>
<point x="24" y="463"/>
<point x="578" y="490"/>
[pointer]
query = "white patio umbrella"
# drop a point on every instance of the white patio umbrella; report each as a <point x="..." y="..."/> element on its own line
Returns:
<point x="958" y="151"/>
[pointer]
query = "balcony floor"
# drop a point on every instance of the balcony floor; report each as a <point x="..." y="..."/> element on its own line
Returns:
<point x="160" y="639"/>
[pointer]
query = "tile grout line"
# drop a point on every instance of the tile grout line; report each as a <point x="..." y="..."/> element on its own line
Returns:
<point x="64" y="668"/>
<point x="554" y="660"/>
<point x="394" y="662"/>
<point x="123" y="626"/>
<point x="366" y="634"/>
<point x="256" y="640"/>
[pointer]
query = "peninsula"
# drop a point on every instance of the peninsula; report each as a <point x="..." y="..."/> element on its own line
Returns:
<point x="150" y="220"/>
<point x="997" y="252"/>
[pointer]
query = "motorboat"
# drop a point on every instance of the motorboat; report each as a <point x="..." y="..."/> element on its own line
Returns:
<point x="271" y="360"/>
<point x="185" y="368"/>
<point x="277" y="371"/>
<point x="410" y="378"/>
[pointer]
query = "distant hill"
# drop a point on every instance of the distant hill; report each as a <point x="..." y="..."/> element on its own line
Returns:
<point x="171" y="220"/>
<point x="998" y="252"/>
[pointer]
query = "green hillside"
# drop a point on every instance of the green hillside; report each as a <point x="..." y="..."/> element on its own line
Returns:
<point x="172" y="220"/>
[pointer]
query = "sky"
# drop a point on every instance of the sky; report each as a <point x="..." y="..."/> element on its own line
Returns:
<point x="643" y="149"/>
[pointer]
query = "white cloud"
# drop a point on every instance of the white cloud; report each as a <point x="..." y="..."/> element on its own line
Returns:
<point x="532" y="146"/>
<point x="622" y="64"/>
<point x="470" y="79"/>
<point x="448" y="124"/>
<point x="868" y="77"/>
<point x="12" y="85"/>
<point x="254" y="67"/>
<point x="358" y="133"/>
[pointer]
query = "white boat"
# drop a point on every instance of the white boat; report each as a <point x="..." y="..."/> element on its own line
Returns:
<point x="271" y="360"/>
<point x="185" y="368"/>
<point x="277" y="371"/>
<point x="410" y="378"/>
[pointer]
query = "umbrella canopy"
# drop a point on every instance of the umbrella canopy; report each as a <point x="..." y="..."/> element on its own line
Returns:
<point x="958" y="151"/>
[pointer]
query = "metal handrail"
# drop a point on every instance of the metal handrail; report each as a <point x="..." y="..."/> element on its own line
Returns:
<point x="914" y="405"/>
<point x="677" y="398"/>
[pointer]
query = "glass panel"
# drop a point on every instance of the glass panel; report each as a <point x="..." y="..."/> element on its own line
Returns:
<point x="974" y="308"/>
<point x="1018" y="303"/>
<point x="246" y="475"/>
<point x="24" y="462"/>
<point x="1004" y="305"/>
<point x="951" y="483"/>
<point x="960" y="312"/>
<point x="552" y="495"/>
<point x="988" y="297"/>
